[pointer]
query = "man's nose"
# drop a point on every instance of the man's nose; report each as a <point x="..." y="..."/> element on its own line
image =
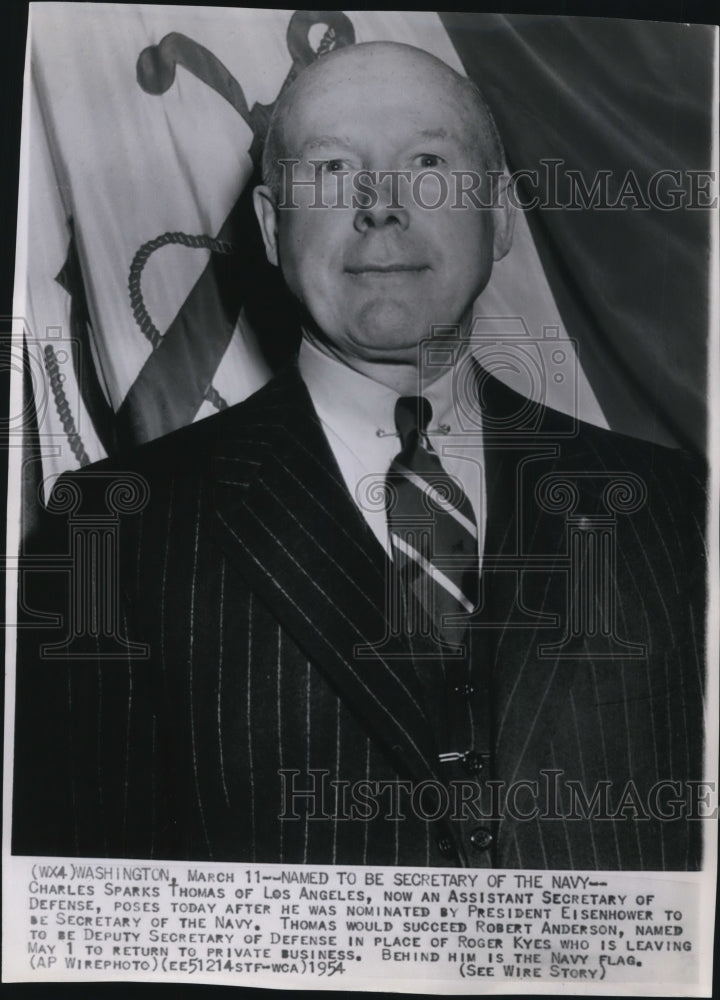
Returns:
<point x="380" y="215"/>
<point x="384" y="208"/>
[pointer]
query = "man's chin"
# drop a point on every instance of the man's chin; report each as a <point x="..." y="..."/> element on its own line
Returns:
<point x="389" y="329"/>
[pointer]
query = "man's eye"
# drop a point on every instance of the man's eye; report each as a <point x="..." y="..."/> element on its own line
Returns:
<point x="428" y="160"/>
<point x="334" y="166"/>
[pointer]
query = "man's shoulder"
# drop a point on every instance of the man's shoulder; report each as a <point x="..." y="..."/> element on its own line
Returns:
<point x="579" y="444"/>
<point x="171" y="470"/>
<point x="669" y="479"/>
<point x="190" y="450"/>
<point x="601" y="446"/>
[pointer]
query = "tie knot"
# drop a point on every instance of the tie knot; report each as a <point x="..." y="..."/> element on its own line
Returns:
<point x="412" y="415"/>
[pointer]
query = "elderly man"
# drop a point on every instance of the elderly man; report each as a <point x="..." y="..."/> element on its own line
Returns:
<point x="392" y="612"/>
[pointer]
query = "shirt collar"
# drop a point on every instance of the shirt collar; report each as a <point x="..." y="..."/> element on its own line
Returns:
<point x="353" y="403"/>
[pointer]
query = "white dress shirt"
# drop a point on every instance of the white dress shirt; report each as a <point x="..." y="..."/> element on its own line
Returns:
<point x="358" y="416"/>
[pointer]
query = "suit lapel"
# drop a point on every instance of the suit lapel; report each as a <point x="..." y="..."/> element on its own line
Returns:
<point x="296" y="535"/>
<point x="524" y="579"/>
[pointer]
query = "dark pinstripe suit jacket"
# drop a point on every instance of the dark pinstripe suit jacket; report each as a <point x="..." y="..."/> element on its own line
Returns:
<point x="252" y="577"/>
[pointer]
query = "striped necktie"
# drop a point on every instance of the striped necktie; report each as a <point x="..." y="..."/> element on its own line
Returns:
<point x="432" y="530"/>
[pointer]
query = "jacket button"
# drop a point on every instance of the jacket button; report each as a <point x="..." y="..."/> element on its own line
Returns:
<point x="481" y="839"/>
<point x="446" y="847"/>
<point x="473" y="762"/>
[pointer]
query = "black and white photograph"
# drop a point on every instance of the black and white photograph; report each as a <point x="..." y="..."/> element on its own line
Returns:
<point x="362" y="500"/>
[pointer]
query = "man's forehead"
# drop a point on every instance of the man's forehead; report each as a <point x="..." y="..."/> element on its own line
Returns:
<point x="319" y="116"/>
<point x="378" y="89"/>
<point x="312" y="142"/>
<point x="379" y="80"/>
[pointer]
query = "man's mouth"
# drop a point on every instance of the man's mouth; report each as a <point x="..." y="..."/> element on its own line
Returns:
<point x="378" y="270"/>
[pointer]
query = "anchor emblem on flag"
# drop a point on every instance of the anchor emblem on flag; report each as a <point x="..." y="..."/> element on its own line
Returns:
<point x="178" y="375"/>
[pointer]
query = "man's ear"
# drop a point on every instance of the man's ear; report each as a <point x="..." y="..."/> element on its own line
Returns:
<point x="503" y="218"/>
<point x="267" y="217"/>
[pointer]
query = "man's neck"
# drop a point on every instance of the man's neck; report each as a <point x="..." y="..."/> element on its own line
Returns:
<point x="403" y="377"/>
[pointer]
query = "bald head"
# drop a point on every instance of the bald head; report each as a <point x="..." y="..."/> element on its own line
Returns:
<point x="371" y="241"/>
<point x="375" y="66"/>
